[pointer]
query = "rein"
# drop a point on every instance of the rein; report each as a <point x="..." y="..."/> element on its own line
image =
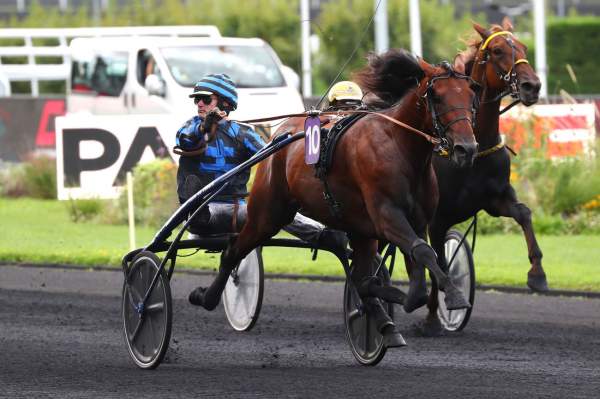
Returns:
<point x="433" y="140"/>
<point x="436" y="142"/>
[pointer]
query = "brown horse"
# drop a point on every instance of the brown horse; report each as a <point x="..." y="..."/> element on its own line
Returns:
<point x="497" y="62"/>
<point x="381" y="175"/>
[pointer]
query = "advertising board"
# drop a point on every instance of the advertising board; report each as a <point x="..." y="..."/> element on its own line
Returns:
<point x="94" y="153"/>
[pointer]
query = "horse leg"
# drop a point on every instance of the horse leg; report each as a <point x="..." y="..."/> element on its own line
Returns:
<point x="417" y="285"/>
<point x="432" y="326"/>
<point x="509" y="206"/>
<point x="363" y="270"/>
<point x="262" y="223"/>
<point x="395" y="227"/>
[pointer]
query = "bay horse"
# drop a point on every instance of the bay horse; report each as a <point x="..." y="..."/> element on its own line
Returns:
<point x="498" y="63"/>
<point x="381" y="175"/>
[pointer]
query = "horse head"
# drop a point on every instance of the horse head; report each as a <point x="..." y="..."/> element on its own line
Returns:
<point x="500" y="64"/>
<point x="444" y="98"/>
<point x="447" y="94"/>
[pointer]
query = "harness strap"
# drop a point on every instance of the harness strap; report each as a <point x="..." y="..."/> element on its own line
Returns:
<point x="509" y="106"/>
<point x="334" y="206"/>
<point x="495" y="148"/>
<point x="519" y="61"/>
<point x="493" y="35"/>
<point x="489" y="151"/>
<point x="236" y="208"/>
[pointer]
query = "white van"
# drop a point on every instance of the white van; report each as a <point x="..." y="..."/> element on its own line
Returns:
<point x="154" y="75"/>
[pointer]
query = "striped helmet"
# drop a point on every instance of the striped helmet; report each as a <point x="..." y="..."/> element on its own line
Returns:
<point x="218" y="84"/>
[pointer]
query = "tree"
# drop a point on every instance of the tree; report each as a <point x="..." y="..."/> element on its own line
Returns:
<point x="342" y="23"/>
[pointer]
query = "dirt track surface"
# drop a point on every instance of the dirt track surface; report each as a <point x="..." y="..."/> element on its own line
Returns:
<point x="60" y="336"/>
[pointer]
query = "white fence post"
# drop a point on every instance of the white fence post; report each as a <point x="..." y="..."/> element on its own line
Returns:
<point x="130" y="212"/>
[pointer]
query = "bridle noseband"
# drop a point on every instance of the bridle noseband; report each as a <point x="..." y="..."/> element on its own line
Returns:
<point x="510" y="76"/>
<point x="439" y="128"/>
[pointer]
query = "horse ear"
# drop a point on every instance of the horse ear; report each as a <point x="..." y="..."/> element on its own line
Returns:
<point x="481" y="30"/>
<point x="506" y="24"/>
<point x="459" y="64"/>
<point x="427" y="68"/>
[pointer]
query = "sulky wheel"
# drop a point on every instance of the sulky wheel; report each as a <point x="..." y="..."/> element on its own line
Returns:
<point x="462" y="274"/>
<point x="365" y="341"/>
<point x="146" y="326"/>
<point x="243" y="294"/>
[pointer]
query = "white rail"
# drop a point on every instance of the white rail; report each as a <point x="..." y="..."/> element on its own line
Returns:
<point x="34" y="73"/>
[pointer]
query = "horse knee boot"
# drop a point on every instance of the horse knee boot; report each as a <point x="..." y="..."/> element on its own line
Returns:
<point x="210" y="297"/>
<point x="384" y="323"/>
<point x="374" y="287"/>
<point x="417" y="290"/>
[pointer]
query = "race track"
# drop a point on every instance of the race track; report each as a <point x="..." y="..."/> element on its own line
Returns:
<point x="60" y="336"/>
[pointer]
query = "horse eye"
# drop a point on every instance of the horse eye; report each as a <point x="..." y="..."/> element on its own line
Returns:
<point x="497" y="51"/>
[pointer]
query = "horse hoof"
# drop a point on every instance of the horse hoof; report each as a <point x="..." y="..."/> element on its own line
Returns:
<point x="537" y="282"/>
<point x="413" y="302"/>
<point x="392" y="338"/>
<point x="198" y="298"/>
<point x="430" y="328"/>
<point x="455" y="300"/>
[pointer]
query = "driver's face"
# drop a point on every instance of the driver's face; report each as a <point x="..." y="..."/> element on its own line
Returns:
<point x="205" y="104"/>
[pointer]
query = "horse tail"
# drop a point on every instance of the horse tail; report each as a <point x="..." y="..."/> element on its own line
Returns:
<point x="390" y="75"/>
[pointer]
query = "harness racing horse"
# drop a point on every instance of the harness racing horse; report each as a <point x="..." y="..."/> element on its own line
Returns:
<point x="381" y="176"/>
<point x="498" y="64"/>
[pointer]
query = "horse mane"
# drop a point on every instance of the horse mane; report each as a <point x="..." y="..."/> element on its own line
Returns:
<point x="473" y="42"/>
<point x="390" y="75"/>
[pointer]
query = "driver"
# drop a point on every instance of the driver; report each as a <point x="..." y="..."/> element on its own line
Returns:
<point x="345" y="96"/>
<point x="212" y="145"/>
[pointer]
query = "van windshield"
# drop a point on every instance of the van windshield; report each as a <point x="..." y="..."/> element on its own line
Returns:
<point x="248" y="66"/>
<point x="102" y="74"/>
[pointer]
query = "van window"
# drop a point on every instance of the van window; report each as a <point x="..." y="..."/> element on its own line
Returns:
<point x="146" y="65"/>
<point x="102" y="74"/>
<point x="248" y="66"/>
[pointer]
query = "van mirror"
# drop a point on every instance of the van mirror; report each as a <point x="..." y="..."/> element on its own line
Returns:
<point x="155" y="85"/>
<point x="291" y="76"/>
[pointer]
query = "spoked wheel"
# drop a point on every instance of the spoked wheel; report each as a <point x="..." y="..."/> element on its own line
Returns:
<point x="243" y="294"/>
<point x="365" y="341"/>
<point x="146" y="326"/>
<point x="462" y="274"/>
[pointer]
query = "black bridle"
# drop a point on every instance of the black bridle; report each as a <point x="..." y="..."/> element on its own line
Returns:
<point x="439" y="128"/>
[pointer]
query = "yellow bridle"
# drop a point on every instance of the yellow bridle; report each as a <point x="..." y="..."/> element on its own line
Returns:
<point x="491" y="37"/>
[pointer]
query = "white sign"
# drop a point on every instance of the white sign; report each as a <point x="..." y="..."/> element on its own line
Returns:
<point x="94" y="153"/>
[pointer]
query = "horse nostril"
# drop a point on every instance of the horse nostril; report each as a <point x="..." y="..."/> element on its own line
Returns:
<point x="465" y="154"/>
<point x="531" y="87"/>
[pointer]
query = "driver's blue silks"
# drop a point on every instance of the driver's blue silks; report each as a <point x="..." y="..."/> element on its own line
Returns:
<point x="233" y="144"/>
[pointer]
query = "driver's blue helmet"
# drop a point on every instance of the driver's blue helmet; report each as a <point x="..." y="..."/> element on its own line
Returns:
<point x="219" y="84"/>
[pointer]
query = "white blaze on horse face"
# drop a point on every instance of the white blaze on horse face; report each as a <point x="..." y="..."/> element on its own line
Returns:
<point x="458" y="89"/>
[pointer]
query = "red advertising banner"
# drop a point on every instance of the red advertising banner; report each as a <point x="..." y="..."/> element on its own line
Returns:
<point x="27" y="125"/>
<point x="563" y="130"/>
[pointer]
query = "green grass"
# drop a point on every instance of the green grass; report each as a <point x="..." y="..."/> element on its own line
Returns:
<point x="36" y="231"/>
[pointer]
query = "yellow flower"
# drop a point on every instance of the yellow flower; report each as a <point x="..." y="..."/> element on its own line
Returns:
<point x="592" y="204"/>
<point x="514" y="176"/>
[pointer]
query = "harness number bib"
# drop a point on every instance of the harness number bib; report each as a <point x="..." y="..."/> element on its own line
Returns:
<point x="312" y="140"/>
